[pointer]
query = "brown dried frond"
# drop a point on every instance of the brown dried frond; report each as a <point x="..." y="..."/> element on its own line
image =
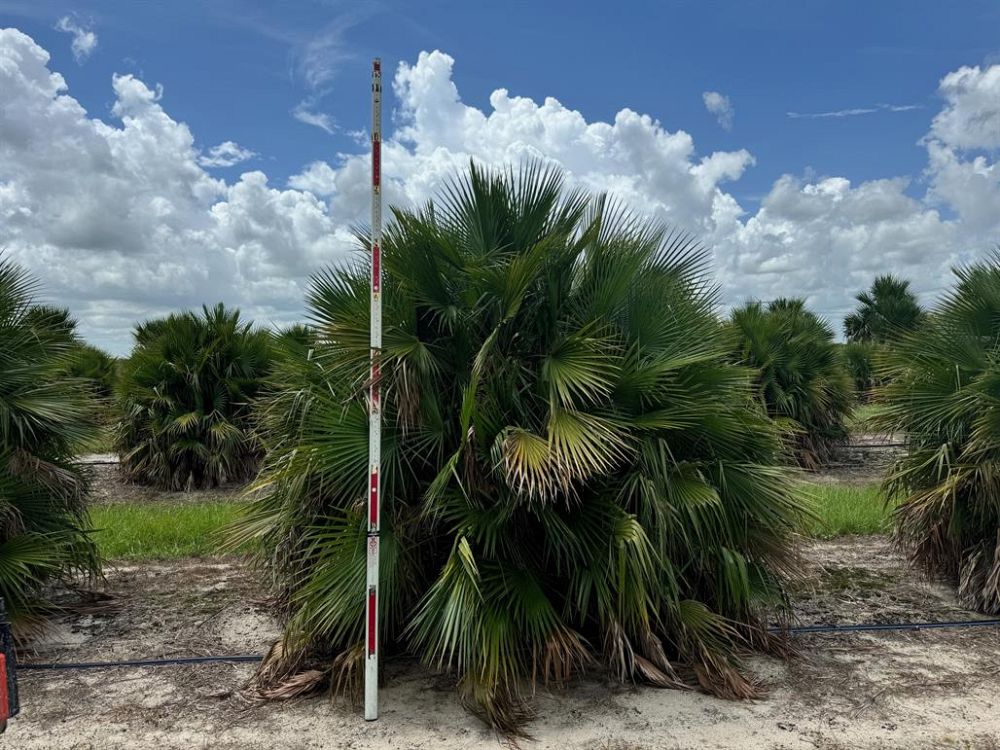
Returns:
<point x="279" y="663"/>
<point x="618" y="652"/>
<point x="654" y="666"/>
<point x="498" y="704"/>
<point x="725" y="681"/>
<point x="298" y="684"/>
<point x="564" y="653"/>
<point x="406" y="394"/>
<point x="347" y="673"/>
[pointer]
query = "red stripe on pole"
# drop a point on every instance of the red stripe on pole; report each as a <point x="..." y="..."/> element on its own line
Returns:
<point x="376" y="162"/>
<point x="373" y="500"/>
<point x="371" y="621"/>
<point x="376" y="268"/>
<point x="4" y="696"/>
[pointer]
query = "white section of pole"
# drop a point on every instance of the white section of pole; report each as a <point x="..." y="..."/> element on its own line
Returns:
<point x="375" y="408"/>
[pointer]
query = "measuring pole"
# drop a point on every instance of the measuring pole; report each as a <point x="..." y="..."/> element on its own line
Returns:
<point x="375" y="406"/>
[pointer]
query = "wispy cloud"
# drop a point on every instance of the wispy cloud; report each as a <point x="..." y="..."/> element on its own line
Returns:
<point x="84" y="39"/>
<point x="304" y="112"/>
<point x="855" y="111"/>
<point x="720" y="106"/>
<point x="316" y="55"/>
<point x="319" y="59"/>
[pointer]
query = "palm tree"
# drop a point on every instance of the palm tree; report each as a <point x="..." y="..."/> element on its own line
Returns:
<point x="44" y="414"/>
<point x="859" y="359"/>
<point x="93" y="364"/>
<point x="886" y="311"/>
<point x="942" y="395"/>
<point x="184" y="395"/>
<point x="572" y="472"/>
<point x="801" y="378"/>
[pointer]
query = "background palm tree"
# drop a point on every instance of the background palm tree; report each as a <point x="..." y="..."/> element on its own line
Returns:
<point x="888" y="310"/>
<point x="100" y="368"/>
<point x="572" y="471"/>
<point x="942" y="394"/>
<point x="859" y="360"/>
<point x="44" y="416"/>
<point x="184" y="395"/>
<point x="801" y="379"/>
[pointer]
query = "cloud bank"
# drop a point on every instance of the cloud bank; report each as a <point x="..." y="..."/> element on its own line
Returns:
<point x="122" y="220"/>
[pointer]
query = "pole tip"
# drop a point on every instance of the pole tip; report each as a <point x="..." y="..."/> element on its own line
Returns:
<point x="377" y="64"/>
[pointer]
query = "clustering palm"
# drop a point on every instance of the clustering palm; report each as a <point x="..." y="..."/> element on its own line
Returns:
<point x="801" y="377"/>
<point x="44" y="414"/>
<point x="184" y="395"/>
<point x="943" y="393"/>
<point x="885" y="312"/>
<point x="572" y="471"/>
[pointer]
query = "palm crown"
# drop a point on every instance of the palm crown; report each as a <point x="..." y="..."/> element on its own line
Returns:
<point x="888" y="310"/>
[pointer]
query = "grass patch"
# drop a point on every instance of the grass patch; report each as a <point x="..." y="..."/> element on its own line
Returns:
<point x="847" y="509"/>
<point x="160" y="531"/>
<point x="861" y="417"/>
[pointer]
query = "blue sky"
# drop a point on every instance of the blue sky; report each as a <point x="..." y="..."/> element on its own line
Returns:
<point x="239" y="71"/>
<point x="235" y="71"/>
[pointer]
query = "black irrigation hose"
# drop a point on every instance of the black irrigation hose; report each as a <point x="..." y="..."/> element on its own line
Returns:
<point x="882" y="627"/>
<point x="800" y="630"/>
<point x="870" y="446"/>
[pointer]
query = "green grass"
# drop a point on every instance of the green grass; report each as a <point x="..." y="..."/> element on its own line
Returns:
<point x="160" y="531"/>
<point x="860" y="420"/>
<point x="103" y="441"/>
<point x="847" y="509"/>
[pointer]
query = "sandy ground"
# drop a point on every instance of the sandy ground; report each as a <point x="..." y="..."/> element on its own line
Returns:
<point x="926" y="689"/>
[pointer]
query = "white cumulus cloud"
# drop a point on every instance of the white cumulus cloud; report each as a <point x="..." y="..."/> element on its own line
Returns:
<point x="720" y="106"/>
<point x="226" y="154"/>
<point x="84" y="40"/>
<point x="971" y="117"/>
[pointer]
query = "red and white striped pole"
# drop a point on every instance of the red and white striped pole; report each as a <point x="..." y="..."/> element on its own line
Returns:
<point x="375" y="406"/>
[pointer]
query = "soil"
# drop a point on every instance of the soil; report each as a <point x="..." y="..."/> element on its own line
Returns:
<point x="108" y="487"/>
<point x="922" y="689"/>
<point x="906" y="689"/>
<point x="864" y="459"/>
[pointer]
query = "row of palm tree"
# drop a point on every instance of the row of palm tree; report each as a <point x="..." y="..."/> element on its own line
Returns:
<point x="582" y="464"/>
